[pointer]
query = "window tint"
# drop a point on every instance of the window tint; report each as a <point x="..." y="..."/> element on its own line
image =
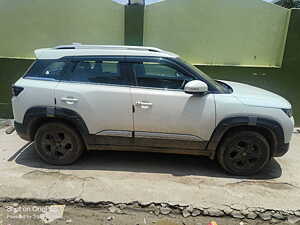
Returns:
<point x="110" y="67"/>
<point x="159" y="76"/>
<point x="46" y="69"/>
<point x="107" y="72"/>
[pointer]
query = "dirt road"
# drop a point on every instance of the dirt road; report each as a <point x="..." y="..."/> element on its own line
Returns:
<point x="175" y="180"/>
<point x="33" y="214"/>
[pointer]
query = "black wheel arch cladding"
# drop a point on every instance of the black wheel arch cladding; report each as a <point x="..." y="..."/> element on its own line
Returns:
<point x="274" y="129"/>
<point x="36" y="116"/>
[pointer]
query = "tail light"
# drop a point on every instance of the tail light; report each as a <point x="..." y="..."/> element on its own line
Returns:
<point x="16" y="90"/>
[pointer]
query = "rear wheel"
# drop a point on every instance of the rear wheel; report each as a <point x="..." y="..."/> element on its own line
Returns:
<point x="244" y="153"/>
<point x="58" y="144"/>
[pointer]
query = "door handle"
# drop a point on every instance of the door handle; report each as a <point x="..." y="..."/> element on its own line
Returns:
<point x="69" y="100"/>
<point x="143" y="104"/>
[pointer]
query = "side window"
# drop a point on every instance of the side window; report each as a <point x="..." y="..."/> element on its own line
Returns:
<point x="46" y="69"/>
<point x="110" y="67"/>
<point x="158" y="75"/>
<point x="99" y="72"/>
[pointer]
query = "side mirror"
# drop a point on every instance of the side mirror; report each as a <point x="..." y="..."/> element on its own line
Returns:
<point x="196" y="87"/>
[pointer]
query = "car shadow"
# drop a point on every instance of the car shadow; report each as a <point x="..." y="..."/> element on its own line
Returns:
<point x="143" y="162"/>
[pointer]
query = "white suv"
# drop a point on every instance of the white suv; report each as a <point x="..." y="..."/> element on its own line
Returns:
<point x="92" y="97"/>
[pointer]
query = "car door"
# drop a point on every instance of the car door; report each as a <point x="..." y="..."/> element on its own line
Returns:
<point x="98" y="90"/>
<point x="164" y="111"/>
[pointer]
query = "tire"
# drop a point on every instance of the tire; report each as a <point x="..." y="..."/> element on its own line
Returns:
<point x="243" y="153"/>
<point x="58" y="144"/>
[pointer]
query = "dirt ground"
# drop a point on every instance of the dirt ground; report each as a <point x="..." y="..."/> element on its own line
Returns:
<point x="31" y="214"/>
<point x="174" y="180"/>
<point x="147" y="177"/>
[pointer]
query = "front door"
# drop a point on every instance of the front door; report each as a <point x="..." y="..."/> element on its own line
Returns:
<point x="164" y="111"/>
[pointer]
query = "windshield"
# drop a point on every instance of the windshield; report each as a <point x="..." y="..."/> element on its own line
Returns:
<point x="213" y="82"/>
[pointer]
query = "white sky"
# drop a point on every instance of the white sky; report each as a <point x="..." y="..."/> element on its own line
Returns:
<point x="153" y="1"/>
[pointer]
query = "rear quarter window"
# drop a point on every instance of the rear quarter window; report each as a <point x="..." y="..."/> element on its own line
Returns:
<point x="46" y="69"/>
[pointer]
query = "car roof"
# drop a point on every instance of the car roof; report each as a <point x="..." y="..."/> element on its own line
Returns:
<point x="98" y="50"/>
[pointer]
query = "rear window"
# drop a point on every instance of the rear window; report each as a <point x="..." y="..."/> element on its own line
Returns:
<point x="98" y="72"/>
<point x="46" y="69"/>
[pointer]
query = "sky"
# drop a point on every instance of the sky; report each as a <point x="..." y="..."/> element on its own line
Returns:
<point x="153" y="1"/>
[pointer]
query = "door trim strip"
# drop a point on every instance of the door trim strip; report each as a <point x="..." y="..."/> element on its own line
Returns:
<point x="158" y="135"/>
<point x="117" y="133"/>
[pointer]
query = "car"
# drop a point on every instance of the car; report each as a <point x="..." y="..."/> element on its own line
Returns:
<point x="78" y="97"/>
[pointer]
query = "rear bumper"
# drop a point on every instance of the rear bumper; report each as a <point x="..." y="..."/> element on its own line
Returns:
<point x="22" y="131"/>
<point x="281" y="150"/>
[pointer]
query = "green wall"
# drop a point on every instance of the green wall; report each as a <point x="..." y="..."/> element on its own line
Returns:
<point x="134" y="24"/>
<point x="10" y="71"/>
<point x="292" y="49"/>
<point x="105" y="23"/>
<point x="29" y="24"/>
<point x="219" y="32"/>
<point x="284" y="81"/>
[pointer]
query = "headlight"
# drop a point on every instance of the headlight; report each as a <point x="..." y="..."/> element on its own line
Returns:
<point x="288" y="112"/>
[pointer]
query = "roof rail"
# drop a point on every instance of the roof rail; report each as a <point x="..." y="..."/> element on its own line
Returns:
<point x="108" y="47"/>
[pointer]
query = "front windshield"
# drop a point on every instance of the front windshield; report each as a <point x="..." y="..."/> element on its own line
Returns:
<point x="213" y="82"/>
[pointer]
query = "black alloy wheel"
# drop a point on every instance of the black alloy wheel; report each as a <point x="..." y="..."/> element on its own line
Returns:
<point x="244" y="153"/>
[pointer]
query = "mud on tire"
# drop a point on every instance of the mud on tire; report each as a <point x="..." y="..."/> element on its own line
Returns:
<point x="58" y="144"/>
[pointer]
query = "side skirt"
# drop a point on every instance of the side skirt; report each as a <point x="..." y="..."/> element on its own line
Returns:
<point x="97" y="142"/>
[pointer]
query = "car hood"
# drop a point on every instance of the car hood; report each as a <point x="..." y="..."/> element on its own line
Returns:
<point x="254" y="96"/>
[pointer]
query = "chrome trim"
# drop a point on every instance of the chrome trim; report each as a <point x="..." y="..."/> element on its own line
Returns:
<point x="117" y="133"/>
<point x="183" y="137"/>
<point x="120" y="85"/>
<point x="91" y="83"/>
<point x="102" y="84"/>
<point x="158" y="89"/>
<point x="40" y="78"/>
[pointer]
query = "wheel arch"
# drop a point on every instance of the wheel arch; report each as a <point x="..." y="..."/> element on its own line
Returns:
<point x="269" y="128"/>
<point x="35" y="117"/>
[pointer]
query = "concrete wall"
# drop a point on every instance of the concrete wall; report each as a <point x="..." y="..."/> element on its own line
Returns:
<point x="284" y="81"/>
<point x="29" y="24"/>
<point x="77" y="21"/>
<point x="290" y="67"/>
<point x="219" y="32"/>
<point x="134" y="24"/>
<point x="10" y="71"/>
<point x="292" y="48"/>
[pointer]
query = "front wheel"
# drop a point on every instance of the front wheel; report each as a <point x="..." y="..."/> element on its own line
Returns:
<point x="58" y="144"/>
<point x="244" y="153"/>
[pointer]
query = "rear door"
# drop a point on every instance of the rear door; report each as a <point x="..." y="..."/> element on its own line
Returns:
<point x="98" y="90"/>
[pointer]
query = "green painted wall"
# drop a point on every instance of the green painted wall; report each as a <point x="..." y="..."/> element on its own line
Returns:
<point x="29" y="24"/>
<point x="219" y="32"/>
<point x="20" y="42"/>
<point x="134" y="24"/>
<point x="10" y="71"/>
<point x="284" y="81"/>
<point x="292" y="49"/>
